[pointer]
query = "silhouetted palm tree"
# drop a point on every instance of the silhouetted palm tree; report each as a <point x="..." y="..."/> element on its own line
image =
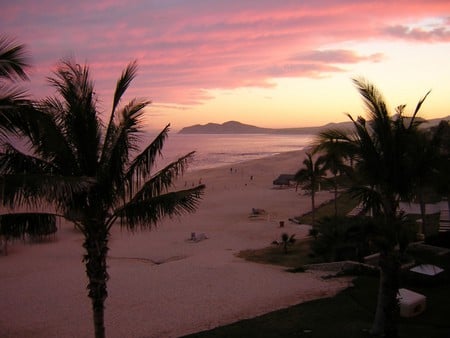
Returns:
<point x="381" y="151"/>
<point x="442" y="182"/>
<point x="287" y="240"/>
<point x="425" y="166"/>
<point x="90" y="173"/>
<point x="13" y="64"/>
<point x="336" y="158"/>
<point x="309" y="178"/>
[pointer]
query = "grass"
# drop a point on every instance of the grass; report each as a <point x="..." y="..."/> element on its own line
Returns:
<point x="297" y="255"/>
<point x="345" y="204"/>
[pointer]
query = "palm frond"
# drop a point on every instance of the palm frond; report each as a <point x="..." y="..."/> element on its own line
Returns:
<point x="115" y="158"/>
<point x="124" y="82"/>
<point x="369" y="198"/>
<point x="123" y="139"/>
<point x="140" y="168"/>
<point x="146" y="212"/>
<point x="122" y="85"/>
<point x="333" y="135"/>
<point x="377" y="112"/>
<point x="312" y="172"/>
<point x="418" y="106"/>
<point x="364" y="146"/>
<point x="13" y="59"/>
<point x="34" y="190"/>
<point x="373" y="99"/>
<point x="12" y="96"/>
<point x="161" y="181"/>
<point x="80" y="122"/>
<point x="12" y="100"/>
<point x="36" y="225"/>
<point x="14" y="161"/>
<point x="334" y="141"/>
<point x="39" y="129"/>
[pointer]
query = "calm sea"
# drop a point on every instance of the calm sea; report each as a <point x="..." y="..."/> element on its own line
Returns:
<point x="214" y="150"/>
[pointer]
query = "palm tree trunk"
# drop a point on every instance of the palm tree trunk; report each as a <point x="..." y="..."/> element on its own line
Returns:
<point x="335" y="197"/>
<point x="387" y="311"/>
<point x="313" y="207"/>
<point x="423" y="226"/>
<point x="95" y="261"/>
<point x="4" y="240"/>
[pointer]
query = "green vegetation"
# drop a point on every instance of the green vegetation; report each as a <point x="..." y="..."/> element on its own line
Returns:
<point x="309" y="178"/>
<point x="345" y="204"/>
<point x="386" y="158"/>
<point x="297" y="256"/>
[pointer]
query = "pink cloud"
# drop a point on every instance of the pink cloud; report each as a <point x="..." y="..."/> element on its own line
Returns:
<point x="438" y="34"/>
<point x="185" y="48"/>
<point x="337" y="56"/>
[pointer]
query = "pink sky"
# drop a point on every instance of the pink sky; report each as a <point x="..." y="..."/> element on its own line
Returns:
<point x="268" y="63"/>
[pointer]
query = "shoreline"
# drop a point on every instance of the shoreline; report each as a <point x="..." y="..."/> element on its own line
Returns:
<point x="162" y="284"/>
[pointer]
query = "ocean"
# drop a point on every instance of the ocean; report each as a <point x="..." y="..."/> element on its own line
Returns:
<point x="214" y="150"/>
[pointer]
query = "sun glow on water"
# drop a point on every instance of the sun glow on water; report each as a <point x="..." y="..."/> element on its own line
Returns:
<point x="220" y="150"/>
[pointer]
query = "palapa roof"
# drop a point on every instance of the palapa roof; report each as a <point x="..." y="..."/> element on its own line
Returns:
<point x="284" y="179"/>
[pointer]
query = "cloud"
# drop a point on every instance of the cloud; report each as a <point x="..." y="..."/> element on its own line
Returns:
<point x="436" y="34"/>
<point x="337" y="56"/>
<point x="185" y="49"/>
<point x="170" y="106"/>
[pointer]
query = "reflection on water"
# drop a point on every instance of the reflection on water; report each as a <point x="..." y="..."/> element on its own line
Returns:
<point x="214" y="150"/>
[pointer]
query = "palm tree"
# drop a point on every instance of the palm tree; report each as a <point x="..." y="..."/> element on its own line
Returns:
<point x="380" y="148"/>
<point x="13" y="65"/>
<point x="287" y="240"/>
<point x="425" y="147"/>
<point x="90" y="173"/>
<point x="443" y="179"/>
<point x="335" y="156"/>
<point x="309" y="178"/>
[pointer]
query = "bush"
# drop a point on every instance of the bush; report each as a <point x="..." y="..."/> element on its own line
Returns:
<point x="343" y="238"/>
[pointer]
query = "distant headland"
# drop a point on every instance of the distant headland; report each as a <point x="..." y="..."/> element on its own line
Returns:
<point x="234" y="127"/>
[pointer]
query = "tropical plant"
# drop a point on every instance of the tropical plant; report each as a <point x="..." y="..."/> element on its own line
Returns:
<point x="13" y="65"/>
<point x="309" y="178"/>
<point x="425" y="165"/>
<point x="336" y="160"/>
<point x="442" y="182"/>
<point x="380" y="147"/>
<point x="89" y="172"/>
<point x="342" y="238"/>
<point x="287" y="240"/>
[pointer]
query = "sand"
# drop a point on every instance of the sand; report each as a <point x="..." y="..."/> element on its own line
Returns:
<point x="161" y="284"/>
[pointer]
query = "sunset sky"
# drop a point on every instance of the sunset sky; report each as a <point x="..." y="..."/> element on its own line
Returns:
<point x="267" y="63"/>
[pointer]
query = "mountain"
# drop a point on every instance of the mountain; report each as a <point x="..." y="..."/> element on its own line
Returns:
<point x="234" y="127"/>
<point x="230" y="127"/>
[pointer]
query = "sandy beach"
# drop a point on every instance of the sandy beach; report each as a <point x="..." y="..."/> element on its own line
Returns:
<point x="161" y="284"/>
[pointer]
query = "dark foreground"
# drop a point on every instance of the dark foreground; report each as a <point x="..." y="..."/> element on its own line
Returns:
<point x="350" y="313"/>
